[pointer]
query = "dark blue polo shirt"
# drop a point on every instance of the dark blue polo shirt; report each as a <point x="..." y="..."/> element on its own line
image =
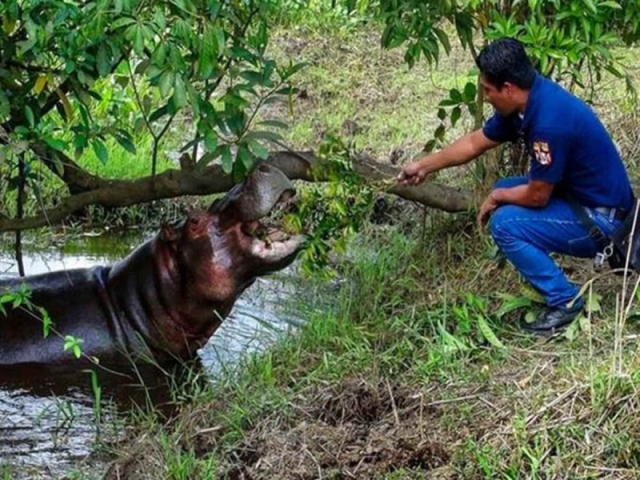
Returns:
<point x="568" y="145"/>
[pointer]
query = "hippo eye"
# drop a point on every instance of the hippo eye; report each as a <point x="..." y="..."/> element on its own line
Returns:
<point x="194" y="223"/>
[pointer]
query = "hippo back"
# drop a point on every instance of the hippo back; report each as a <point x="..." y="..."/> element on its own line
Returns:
<point x="78" y="305"/>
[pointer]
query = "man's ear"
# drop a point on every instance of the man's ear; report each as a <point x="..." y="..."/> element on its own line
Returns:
<point x="509" y="86"/>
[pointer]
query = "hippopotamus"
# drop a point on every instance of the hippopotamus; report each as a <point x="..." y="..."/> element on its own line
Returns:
<point x="168" y="296"/>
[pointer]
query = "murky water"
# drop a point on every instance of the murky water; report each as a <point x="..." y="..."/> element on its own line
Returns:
<point x="48" y="433"/>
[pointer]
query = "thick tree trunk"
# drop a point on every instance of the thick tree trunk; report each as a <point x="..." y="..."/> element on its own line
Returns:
<point x="174" y="183"/>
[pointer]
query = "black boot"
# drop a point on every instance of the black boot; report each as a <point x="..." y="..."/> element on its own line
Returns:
<point x="554" y="319"/>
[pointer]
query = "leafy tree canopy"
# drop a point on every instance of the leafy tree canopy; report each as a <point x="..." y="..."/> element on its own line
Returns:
<point x="201" y="58"/>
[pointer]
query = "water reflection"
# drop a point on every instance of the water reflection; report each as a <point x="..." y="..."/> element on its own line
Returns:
<point x="50" y="429"/>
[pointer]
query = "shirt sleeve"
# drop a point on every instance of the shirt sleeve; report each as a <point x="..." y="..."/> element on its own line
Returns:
<point x="500" y="129"/>
<point x="549" y="152"/>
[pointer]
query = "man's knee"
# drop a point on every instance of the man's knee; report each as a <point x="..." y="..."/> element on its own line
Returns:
<point x="502" y="222"/>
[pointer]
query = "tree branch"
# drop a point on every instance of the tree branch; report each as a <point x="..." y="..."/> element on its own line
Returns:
<point x="76" y="178"/>
<point x="175" y="183"/>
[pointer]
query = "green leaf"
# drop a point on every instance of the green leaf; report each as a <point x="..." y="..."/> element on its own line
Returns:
<point x="591" y="6"/>
<point x="593" y="303"/>
<point x="122" y="22"/>
<point x="167" y="81"/>
<point x="138" y="42"/>
<point x="247" y="159"/>
<point x="470" y="91"/>
<point x="488" y="333"/>
<point x="252" y="77"/>
<point x="72" y="343"/>
<point x="100" y="150"/>
<point x="210" y="141"/>
<point x="455" y="116"/>
<point x="293" y="69"/>
<point x="265" y="135"/>
<point x="444" y="39"/>
<point x="159" y="113"/>
<point x="125" y="141"/>
<point x="227" y="161"/>
<point x="103" y="60"/>
<point x="159" y="55"/>
<point x="179" y="93"/>
<point x="257" y="149"/>
<point x="46" y="322"/>
<point x="220" y="41"/>
<point x="55" y="143"/>
<point x="29" y="114"/>
<point x="512" y="303"/>
<point x="455" y="95"/>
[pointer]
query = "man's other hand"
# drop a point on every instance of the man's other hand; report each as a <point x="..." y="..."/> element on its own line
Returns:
<point x="486" y="209"/>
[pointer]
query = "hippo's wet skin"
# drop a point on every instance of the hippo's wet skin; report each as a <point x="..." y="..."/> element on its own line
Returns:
<point x="168" y="296"/>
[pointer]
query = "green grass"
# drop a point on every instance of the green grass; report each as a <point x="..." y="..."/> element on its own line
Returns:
<point x="526" y="409"/>
<point x="6" y="472"/>
<point x="123" y="165"/>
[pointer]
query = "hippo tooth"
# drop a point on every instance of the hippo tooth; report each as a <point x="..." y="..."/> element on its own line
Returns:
<point x="276" y="250"/>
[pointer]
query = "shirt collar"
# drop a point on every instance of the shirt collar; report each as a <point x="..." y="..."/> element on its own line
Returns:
<point x="532" y="101"/>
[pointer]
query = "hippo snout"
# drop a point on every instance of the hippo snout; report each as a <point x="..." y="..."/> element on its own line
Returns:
<point x="253" y="199"/>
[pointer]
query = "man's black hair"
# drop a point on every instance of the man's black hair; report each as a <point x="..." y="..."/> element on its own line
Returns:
<point x="505" y="60"/>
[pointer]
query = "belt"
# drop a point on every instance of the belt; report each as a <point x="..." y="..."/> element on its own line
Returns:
<point x="612" y="213"/>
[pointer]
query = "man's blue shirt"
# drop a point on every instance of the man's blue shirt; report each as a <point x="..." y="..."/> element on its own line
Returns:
<point x="568" y="145"/>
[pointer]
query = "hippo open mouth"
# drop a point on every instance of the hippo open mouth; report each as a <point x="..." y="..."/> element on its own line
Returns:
<point x="268" y="240"/>
<point x="253" y="207"/>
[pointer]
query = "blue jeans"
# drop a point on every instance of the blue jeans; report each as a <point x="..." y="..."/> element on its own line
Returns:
<point x="526" y="236"/>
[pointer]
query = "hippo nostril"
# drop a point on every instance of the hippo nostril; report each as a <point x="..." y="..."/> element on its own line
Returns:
<point x="263" y="167"/>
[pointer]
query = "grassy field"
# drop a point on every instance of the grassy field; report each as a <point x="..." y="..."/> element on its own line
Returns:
<point x="412" y="366"/>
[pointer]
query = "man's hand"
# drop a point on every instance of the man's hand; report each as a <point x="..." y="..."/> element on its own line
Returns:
<point x="412" y="174"/>
<point x="486" y="209"/>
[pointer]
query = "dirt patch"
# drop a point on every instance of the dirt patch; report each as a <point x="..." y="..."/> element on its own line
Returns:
<point x="355" y="429"/>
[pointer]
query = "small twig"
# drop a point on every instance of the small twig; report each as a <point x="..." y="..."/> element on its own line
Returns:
<point x="207" y="430"/>
<point x="541" y="352"/>
<point x="452" y="400"/>
<point x="489" y="404"/>
<point x="393" y="403"/>
<point x="306" y="450"/>
<point x="612" y="470"/>
<point x="359" y="464"/>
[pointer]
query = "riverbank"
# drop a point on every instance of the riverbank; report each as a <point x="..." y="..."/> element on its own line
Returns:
<point x="407" y="375"/>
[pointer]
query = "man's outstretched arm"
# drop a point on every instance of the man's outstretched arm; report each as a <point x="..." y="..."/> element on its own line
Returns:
<point x="462" y="151"/>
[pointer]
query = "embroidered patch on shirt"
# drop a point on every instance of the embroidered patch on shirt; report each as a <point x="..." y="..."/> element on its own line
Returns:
<point x="542" y="152"/>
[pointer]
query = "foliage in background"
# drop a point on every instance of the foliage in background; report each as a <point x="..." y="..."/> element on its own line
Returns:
<point x="74" y="75"/>
<point x="570" y="41"/>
